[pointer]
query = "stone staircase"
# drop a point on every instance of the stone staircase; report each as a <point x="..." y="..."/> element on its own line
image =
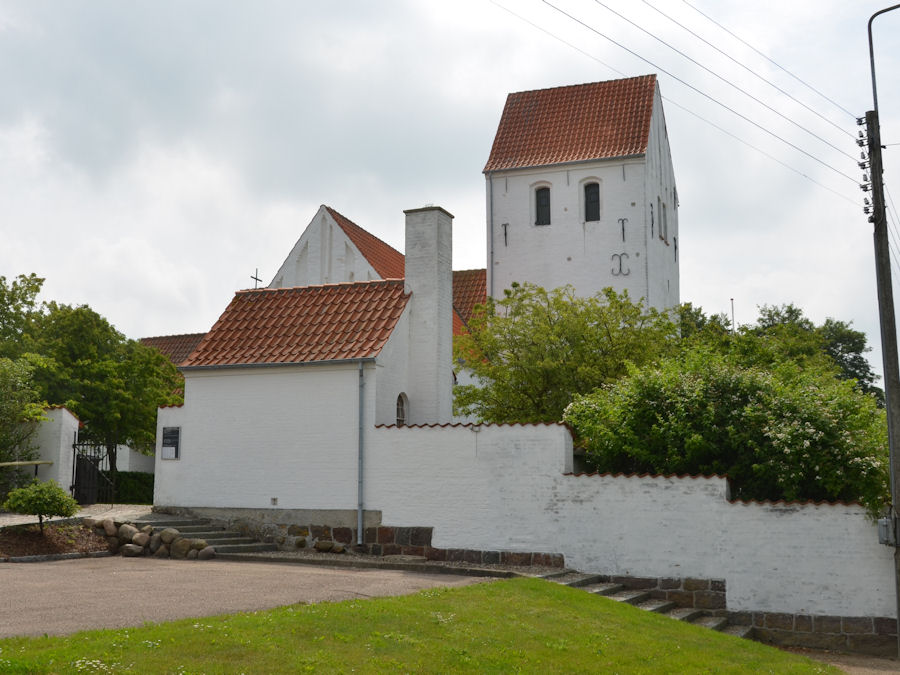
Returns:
<point x="224" y="541"/>
<point x="592" y="583"/>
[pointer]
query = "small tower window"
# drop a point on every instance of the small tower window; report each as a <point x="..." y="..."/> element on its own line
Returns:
<point x="402" y="410"/>
<point x="542" y="206"/>
<point x="591" y="202"/>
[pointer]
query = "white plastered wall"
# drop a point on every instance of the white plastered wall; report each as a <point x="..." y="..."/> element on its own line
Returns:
<point x="249" y="435"/>
<point x="53" y="439"/>
<point x="662" y="269"/>
<point x="506" y="488"/>
<point x="323" y="255"/>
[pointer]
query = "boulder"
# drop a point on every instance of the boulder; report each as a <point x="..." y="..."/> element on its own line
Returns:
<point x="192" y="554"/>
<point x="147" y="528"/>
<point x="179" y="548"/>
<point x="198" y="544"/>
<point x="337" y="548"/>
<point x="132" y="550"/>
<point x="161" y="552"/>
<point x="109" y="527"/>
<point x="207" y="553"/>
<point x="127" y="532"/>
<point x="156" y="542"/>
<point x="169" y="534"/>
<point x="89" y="522"/>
<point x="324" y="545"/>
<point x="112" y="545"/>
<point x="141" y="539"/>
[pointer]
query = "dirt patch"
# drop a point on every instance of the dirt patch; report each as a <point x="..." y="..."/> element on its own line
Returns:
<point x="24" y="540"/>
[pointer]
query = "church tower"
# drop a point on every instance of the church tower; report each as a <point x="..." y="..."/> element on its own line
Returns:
<point x="581" y="190"/>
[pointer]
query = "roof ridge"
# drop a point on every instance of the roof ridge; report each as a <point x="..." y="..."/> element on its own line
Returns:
<point x="173" y="335"/>
<point x="332" y="284"/>
<point x="583" y="84"/>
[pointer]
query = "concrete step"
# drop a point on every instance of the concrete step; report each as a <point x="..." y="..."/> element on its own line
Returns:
<point x="630" y="597"/>
<point x="579" y="580"/>
<point x="712" y="622"/>
<point x="191" y="528"/>
<point x="745" y="632"/>
<point x="256" y="547"/>
<point x="172" y="522"/>
<point x="603" y="589"/>
<point x="656" y="605"/>
<point x="222" y="541"/>
<point x="685" y="613"/>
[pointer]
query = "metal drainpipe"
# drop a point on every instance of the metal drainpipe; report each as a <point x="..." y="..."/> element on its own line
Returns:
<point x="359" y="470"/>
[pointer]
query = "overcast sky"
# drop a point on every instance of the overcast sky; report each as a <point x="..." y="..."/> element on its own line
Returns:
<point x="154" y="154"/>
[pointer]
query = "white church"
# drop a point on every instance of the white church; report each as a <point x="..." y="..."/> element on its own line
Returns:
<point x="321" y="405"/>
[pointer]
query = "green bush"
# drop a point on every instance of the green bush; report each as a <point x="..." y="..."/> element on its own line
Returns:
<point x="43" y="500"/>
<point x="777" y="434"/>
<point x="133" y="487"/>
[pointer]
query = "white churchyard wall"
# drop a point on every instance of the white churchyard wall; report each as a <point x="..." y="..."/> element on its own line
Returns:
<point x="53" y="439"/>
<point x="509" y="488"/>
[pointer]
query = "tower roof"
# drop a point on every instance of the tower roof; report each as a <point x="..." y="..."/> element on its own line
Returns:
<point x="600" y="120"/>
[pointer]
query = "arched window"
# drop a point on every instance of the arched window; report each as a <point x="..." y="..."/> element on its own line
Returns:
<point x="402" y="410"/>
<point x="542" y="206"/>
<point x="591" y="202"/>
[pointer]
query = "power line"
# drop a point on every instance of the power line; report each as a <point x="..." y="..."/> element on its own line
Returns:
<point x="724" y="79"/>
<point x="749" y="70"/>
<point x="775" y="63"/>
<point x="672" y="102"/>
<point x="762" y="152"/>
<point x="704" y="94"/>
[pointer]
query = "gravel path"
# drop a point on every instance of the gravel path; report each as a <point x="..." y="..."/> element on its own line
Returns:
<point x="114" y="511"/>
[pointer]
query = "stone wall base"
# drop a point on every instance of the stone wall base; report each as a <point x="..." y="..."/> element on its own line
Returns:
<point x="291" y="529"/>
<point x="864" y="635"/>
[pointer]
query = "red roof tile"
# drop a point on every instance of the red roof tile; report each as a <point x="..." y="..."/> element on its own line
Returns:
<point x="303" y="324"/>
<point x="469" y="289"/>
<point x="570" y="124"/>
<point x="176" y="347"/>
<point x="388" y="262"/>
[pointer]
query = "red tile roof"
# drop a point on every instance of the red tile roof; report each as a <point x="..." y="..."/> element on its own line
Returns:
<point x="570" y="124"/>
<point x="388" y="262"/>
<point x="176" y="347"/>
<point x="303" y="324"/>
<point x="469" y="289"/>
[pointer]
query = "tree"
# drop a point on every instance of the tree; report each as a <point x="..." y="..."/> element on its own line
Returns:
<point x="114" y="385"/>
<point x="20" y="412"/>
<point x="43" y="500"/>
<point x="777" y="433"/>
<point x="18" y="306"/>
<point x="533" y="350"/>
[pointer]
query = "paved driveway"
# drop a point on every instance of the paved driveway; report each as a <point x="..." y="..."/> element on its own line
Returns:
<point x="71" y="595"/>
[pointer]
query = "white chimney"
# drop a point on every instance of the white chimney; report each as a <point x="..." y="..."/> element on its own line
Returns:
<point x="429" y="278"/>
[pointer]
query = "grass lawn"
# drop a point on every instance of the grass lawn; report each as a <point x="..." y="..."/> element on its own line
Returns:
<point x="517" y="625"/>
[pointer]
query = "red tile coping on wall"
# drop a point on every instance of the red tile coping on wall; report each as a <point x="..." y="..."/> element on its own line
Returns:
<point x="582" y="122"/>
<point x="435" y="425"/>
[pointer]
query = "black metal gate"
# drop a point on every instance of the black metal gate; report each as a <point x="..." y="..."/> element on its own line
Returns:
<point x="91" y="483"/>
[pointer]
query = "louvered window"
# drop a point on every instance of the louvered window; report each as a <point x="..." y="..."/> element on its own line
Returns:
<point x="592" y="202"/>
<point x="542" y="206"/>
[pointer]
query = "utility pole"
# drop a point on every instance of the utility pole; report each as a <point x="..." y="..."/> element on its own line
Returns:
<point x="885" y="311"/>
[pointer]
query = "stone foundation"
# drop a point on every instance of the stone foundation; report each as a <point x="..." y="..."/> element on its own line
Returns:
<point x="867" y="634"/>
